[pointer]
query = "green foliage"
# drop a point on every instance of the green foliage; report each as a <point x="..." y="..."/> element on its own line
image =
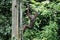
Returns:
<point x="5" y="20"/>
<point x="50" y="32"/>
<point x="46" y="25"/>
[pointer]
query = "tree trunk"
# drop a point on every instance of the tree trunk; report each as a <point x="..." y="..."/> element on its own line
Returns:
<point x="14" y="20"/>
<point x="17" y="32"/>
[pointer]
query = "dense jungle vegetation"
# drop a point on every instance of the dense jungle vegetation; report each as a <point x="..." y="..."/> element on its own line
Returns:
<point x="47" y="24"/>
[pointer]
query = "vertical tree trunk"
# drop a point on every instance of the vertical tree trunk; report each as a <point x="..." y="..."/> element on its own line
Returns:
<point x="21" y="28"/>
<point x="14" y="20"/>
<point x="17" y="31"/>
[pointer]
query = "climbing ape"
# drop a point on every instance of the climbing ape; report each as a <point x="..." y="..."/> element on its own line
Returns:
<point x="31" y="17"/>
